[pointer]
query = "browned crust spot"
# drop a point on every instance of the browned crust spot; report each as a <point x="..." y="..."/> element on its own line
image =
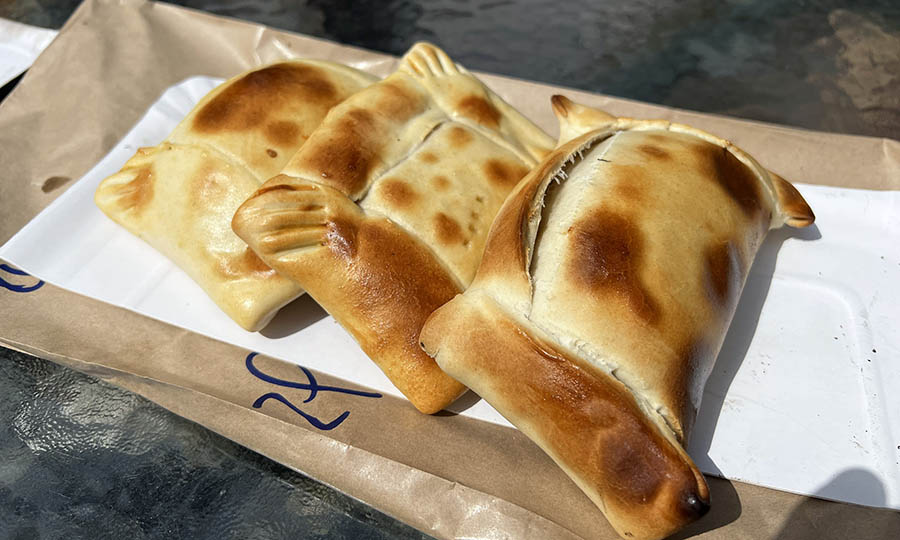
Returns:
<point x="479" y="110"/>
<point x="663" y="137"/>
<point x="272" y="153"/>
<point x="398" y="193"/>
<point x="136" y="194"/>
<point x="440" y="182"/>
<point x="428" y="157"/>
<point x="459" y="137"/>
<point x="248" y="101"/>
<point x="397" y="102"/>
<point x="629" y="191"/>
<point x="503" y="173"/>
<point x="723" y="272"/>
<point x="607" y="258"/>
<point x="348" y="156"/>
<point x="448" y="229"/>
<point x="654" y="152"/>
<point x="282" y="132"/>
<point x="735" y="178"/>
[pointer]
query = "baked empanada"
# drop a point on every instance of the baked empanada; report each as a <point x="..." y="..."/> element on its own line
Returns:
<point x="608" y="282"/>
<point x="382" y="215"/>
<point x="180" y="195"/>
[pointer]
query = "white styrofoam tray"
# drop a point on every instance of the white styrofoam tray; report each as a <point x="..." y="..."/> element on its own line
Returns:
<point x="801" y="396"/>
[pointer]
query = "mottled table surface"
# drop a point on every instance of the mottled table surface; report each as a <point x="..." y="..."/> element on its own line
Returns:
<point x="76" y="452"/>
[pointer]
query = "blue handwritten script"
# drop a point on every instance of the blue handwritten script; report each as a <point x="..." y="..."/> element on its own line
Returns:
<point x="312" y="386"/>
<point x="15" y="287"/>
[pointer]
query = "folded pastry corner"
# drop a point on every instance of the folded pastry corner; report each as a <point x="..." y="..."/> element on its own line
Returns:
<point x="382" y="215"/>
<point x="180" y="195"/>
<point x="608" y="282"/>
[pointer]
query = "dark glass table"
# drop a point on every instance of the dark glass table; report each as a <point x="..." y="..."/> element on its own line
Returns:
<point x="81" y="458"/>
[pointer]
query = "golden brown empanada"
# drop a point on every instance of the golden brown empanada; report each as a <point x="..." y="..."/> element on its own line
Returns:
<point x="382" y="215"/>
<point x="180" y="196"/>
<point x="608" y="281"/>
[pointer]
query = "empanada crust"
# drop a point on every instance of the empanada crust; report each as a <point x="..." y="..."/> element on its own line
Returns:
<point x="180" y="196"/>
<point x="624" y="252"/>
<point x="382" y="215"/>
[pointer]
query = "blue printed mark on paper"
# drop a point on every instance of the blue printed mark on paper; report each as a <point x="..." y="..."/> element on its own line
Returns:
<point x="17" y="287"/>
<point x="312" y="386"/>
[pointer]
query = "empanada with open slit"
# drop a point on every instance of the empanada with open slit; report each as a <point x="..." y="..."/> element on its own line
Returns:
<point x="382" y="215"/>
<point x="609" y="279"/>
<point x="180" y="195"/>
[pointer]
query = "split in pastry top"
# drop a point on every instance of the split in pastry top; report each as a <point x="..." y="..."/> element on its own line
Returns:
<point x="382" y="215"/>
<point x="180" y="195"/>
<point x="614" y="270"/>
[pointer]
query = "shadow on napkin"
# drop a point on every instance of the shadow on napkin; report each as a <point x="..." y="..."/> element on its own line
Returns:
<point x="294" y="317"/>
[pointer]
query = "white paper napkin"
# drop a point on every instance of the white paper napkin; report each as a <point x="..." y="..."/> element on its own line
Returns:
<point x="20" y="45"/>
